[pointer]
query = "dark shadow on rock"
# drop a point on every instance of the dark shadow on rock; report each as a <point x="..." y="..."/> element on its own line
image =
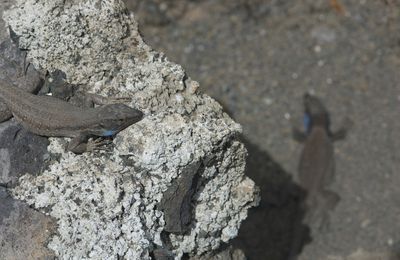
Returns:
<point x="21" y="152"/>
<point x="268" y="231"/>
<point x="176" y="202"/>
<point x="24" y="232"/>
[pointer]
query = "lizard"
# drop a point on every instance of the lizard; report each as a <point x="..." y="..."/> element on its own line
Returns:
<point x="316" y="168"/>
<point x="50" y="116"/>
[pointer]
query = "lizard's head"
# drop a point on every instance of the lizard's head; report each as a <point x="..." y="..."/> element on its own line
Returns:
<point x="315" y="112"/>
<point x="116" y="117"/>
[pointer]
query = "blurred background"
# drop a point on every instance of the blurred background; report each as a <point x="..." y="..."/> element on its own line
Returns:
<point x="257" y="58"/>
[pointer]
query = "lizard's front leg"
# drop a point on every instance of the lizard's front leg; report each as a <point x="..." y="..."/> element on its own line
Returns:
<point x="298" y="135"/>
<point x="78" y="144"/>
<point x="82" y="143"/>
<point x="341" y="133"/>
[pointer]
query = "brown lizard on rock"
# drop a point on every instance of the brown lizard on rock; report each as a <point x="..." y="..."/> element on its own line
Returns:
<point x="50" y="116"/>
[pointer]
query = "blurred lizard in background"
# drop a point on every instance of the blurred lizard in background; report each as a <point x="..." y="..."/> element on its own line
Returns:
<point x="316" y="170"/>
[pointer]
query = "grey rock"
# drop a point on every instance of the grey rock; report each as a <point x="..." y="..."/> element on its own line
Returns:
<point x="24" y="232"/>
<point x="21" y="152"/>
<point x="18" y="71"/>
<point x="162" y="254"/>
<point x="106" y="203"/>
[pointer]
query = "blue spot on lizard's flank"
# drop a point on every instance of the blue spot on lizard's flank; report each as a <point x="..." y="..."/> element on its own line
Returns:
<point x="307" y="122"/>
<point x="109" y="133"/>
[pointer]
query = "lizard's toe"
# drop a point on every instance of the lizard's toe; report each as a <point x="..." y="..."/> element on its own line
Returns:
<point x="99" y="144"/>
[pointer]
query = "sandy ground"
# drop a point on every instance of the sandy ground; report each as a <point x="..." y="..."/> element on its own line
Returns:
<point x="258" y="58"/>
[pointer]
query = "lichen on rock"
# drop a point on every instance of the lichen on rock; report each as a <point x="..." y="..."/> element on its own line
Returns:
<point x="107" y="204"/>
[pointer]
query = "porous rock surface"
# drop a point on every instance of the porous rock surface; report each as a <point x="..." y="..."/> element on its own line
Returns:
<point x="107" y="204"/>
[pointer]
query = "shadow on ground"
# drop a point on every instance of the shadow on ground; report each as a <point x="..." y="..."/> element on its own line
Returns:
<point x="268" y="231"/>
